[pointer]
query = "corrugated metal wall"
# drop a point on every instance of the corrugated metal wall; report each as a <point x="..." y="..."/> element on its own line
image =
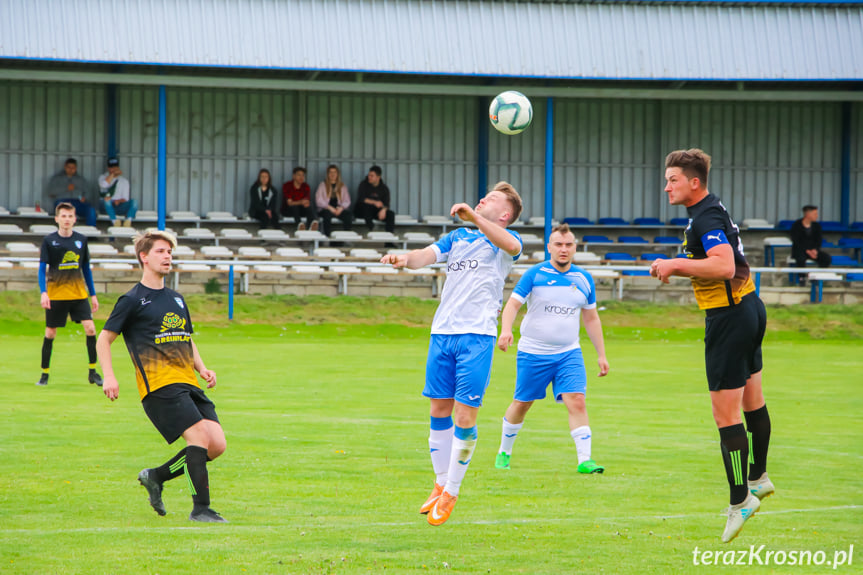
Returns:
<point x="769" y="158"/>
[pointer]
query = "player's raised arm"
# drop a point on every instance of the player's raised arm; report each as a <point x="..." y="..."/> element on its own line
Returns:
<point x="593" y="327"/>
<point x="414" y="259"/>
<point x="110" y="387"/>
<point x="495" y="232"/>
<point x="506" y="320"/>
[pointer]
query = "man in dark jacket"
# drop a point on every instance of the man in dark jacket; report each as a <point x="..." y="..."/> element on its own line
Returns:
<point x="806" y="240"/>
<point x="373" y="201"/>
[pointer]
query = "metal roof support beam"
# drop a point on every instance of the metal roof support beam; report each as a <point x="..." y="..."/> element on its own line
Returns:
<point x="845" y="167"/>
<point x="482" y="148"/>
<point x="162" y="159"/>
<point x="549" y="170"/>
<point x="430" y="89"/>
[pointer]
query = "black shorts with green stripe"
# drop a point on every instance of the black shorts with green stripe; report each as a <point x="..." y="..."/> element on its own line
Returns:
<point x="175" y="408"/>
<point x="732" y="342"/>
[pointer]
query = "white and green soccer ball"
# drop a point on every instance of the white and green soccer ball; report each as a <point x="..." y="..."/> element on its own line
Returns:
<point x="510" y="112"/>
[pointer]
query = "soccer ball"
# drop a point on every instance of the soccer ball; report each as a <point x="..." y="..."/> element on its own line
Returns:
<point x="510" y="112"/>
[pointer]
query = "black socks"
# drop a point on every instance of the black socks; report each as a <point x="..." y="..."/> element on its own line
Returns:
<point x="735" y="455"/>
<point x="758" y="427"/>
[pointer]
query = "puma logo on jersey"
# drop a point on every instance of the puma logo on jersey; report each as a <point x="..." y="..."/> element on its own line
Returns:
<point x="717" y="238"/>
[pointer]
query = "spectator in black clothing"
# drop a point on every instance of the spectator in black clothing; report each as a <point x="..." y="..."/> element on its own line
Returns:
<point x="263" y="201"/>
<point x="373" y="201"/>
<point x="806" y="240"/>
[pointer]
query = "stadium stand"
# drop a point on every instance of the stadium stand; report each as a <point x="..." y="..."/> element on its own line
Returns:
<point x="632" y="240"/>
<point x="42" y="229"/>
<point x="613" y="222"/>
<point x="577" y="221"/>
<point x="647" y="222"/>
<point x="682" y="222"/>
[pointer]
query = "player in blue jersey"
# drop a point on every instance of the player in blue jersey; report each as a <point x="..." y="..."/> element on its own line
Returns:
<point x="463" y="333"/>
<point x="557" y="294"/>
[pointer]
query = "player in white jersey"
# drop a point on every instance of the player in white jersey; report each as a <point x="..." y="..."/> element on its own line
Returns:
<point x="463" y="333"/>
<point x="557" y="294"/>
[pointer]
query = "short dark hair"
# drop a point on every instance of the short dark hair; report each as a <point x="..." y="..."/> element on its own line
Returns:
<point x="144" y="242"/>
<point x="63" y="206"/>
<point x="694" y="162"/>
<point x="299" y="169"/>
<point x="377" y="170"/>
<point x="562" y="229"/>
<point x="808" y="208"/>
<point x="70" y="161"/>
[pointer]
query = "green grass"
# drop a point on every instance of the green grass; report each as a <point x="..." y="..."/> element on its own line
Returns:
<point x="327" y="459"/>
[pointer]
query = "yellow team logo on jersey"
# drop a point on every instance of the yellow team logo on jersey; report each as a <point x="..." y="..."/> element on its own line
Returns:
<point x="176" y="328"/>
<point x="172" y="321"/>
<point x="70" y="261"/>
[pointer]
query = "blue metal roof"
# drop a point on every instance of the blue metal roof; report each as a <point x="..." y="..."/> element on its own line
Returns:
<point x="658" y="40"/>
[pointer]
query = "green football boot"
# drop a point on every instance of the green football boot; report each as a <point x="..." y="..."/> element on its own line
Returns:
<point x="590" y="466"/>
<point x="502" y="460"/>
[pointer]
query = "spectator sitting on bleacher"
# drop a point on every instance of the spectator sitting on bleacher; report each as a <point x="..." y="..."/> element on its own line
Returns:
<point x="333" y="200"/>
<point x="68" y="186"/>
<point x="297" y="200"/>
<point x="262" y="205"/>
<point x="806" y="241"/>
<point x="115" y="195"/>
<point x="373" y="201"/>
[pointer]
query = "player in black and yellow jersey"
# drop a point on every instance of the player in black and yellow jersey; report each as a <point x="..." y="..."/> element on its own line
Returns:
<point x="734" y="329"/>
<point x="157" y="328"/>
<point x="66" y="281"/>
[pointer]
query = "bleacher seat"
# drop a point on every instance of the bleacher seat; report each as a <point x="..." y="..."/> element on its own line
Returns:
<point x="832" y="226"/>
<point x="847" y="242"/>
<point x="345" y="269"/>
<point x="270" y="268"/>
<point x="619" y="257"/>
<point x="238" y="268"/>
<point x="594" y="239"/>
<point x="3" y="211"/>
<point x="116" y="266"/>
<point x="217" y="252"/>
<point x="309" y="235"/>
<point x="538" y="256"/>
<point x="41" y="229"/>
<point x="97" y="250"/>
<point x="784" y="225"/>
<point x="307" y="269"/>
<point x="182" y="252"/>
<point x="198" y="234"/>
<point x="10" y="230"/>
<point x="576" y="221"/>
<point x="236" y="234"/>
<point x="405" y="219"/>
<point x="89" y="231"/>
<point x="382" y="270"/>
<point x="844" y="262"/>
<point x="586" y="258"/>
<point x="254" y="252"/>
<point x="757" y="224"/>
<point x="184" y="216"/>
<point x="32" y="212"/>
<point x="22" y="248"/>
<point x="632" y="240"/>
<point x="291" y="253"/>
<point x="273" y="235"/>
<point x="382" y="237"/>
<point x="530" y="239"/>
<point x="31" y="265"/>
<point x="613" y="222"/>
<point x="189" y="267"/>
<point x="415" y="237"/>
<point x="857" y="226"/>
<point x="770" y="245"/>
<point x="647" y="222"/>
<point x="652" y="257"/>
<point x="221" y="217"/>
<point x="667" y="240"/>
<point x="146" y="216"/>
<point x="122" y="232"/>
<point x="437" y="220"/>
<point x="855" y="277"/>
<point x="635" y="273"/>
<point x="682" y="222"/>
<point x="366" y="254"/>
<point x="397" y="252"/>
<point x="827" y="244"/>
<point x="345" y="236"/>
<point x="329" y="253"/>
<point x="426" y="271"/>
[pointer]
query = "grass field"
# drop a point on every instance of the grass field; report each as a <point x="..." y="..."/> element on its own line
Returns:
<point x="327" y="459"/>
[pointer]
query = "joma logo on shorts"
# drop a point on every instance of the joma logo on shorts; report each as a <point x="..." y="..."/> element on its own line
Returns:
<point x="560" y="310"/>
<point x="462" y="265"/>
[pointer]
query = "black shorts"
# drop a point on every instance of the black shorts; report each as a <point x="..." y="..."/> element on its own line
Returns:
<point x="732" y="342"/>
<point x="77" y="309"/>
<point x="175" y="408"/>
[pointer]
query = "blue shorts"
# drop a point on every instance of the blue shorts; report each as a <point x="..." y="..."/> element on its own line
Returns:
<point x="459" y="367"/>
<point x="565" y="371"/>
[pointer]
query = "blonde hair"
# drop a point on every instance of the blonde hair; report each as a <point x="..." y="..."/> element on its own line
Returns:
<point x="334" y="191"/>
<point x="508" y="190"/>
<point x="144" y="242"/>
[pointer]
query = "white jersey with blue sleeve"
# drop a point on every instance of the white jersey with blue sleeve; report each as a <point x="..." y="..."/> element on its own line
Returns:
<point x="554" y="303"/>
<point x="476" y="271"/>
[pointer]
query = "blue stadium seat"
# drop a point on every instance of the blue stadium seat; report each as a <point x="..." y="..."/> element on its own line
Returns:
<point x="682" y="222"/>
<point x="854" y="277"/>
<point x="832" y="226"/>
<point x="613" y="222"/>
<point x="784" y="224"/>
<point x="681" y="255"/>
<point x="596" y="240"/>
<point x="826" y="244"/>
<point x="647" y="222"/>
<point x="667" y="240"/>
<point x="632" y="240"/>
<point x="577" y="221"/>
<point x="857" y="226"/>
<point x="844" y="262"/>
<point x="850" y="243"/>
<point x="635" y="273"/>
<point x="652" y="257"/>
<point x="620" y="257"/>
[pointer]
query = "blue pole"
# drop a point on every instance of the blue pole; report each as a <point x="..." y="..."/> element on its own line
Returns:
<point x="482" y="148"/>
<point x="549" y="169"/>
<point x="163" y="156"/>
<point x="845" y="178"/>
<point x="231" y="291"/>
<point x="758" y="283"/>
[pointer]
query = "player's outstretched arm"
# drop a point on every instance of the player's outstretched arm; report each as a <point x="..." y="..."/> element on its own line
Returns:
<point x="718" y="265"/>
<point x="208" y="374"/>
<point x="507" y="318"/>
<point x="593" y="327"/>
<point x="110" y="387"/>
<point x="414" y="259"/>
<point x="496" y="234"/>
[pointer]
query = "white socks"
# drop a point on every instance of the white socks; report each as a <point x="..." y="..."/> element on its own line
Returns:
<point x="581" y="436"/>
<point x="440" y="447"/>
<point x="508" y="434"/>
<point x="464" y="443"/>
